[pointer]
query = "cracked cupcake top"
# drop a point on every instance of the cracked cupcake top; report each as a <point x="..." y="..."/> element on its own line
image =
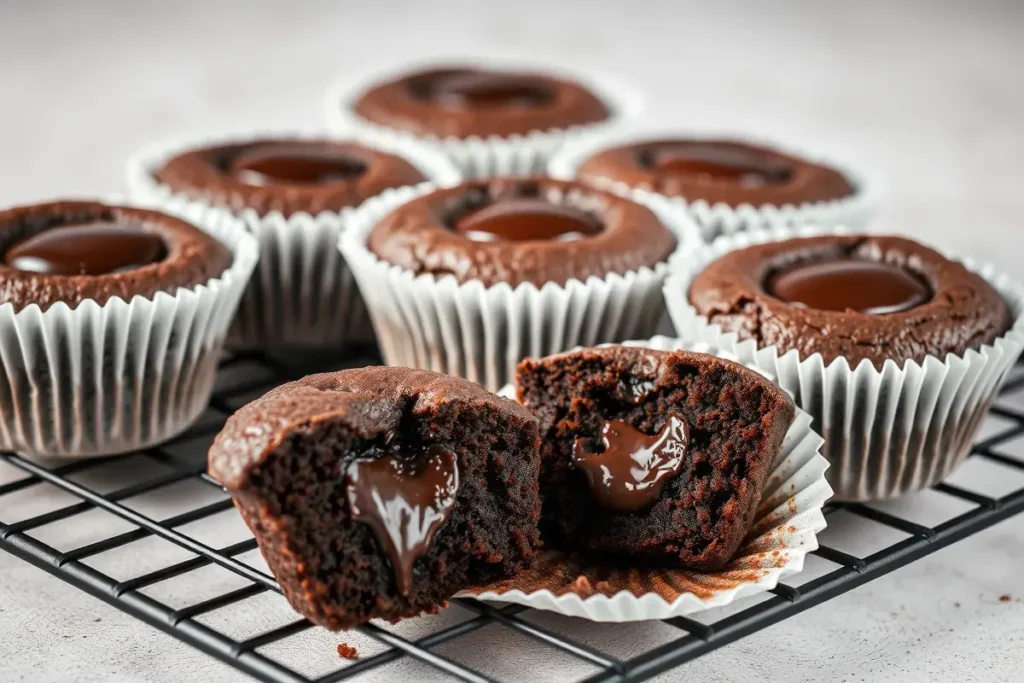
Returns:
<point x="852" y="296"/>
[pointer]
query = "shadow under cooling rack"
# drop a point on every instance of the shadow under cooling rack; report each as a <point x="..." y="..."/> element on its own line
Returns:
<point x="149" y="509"/>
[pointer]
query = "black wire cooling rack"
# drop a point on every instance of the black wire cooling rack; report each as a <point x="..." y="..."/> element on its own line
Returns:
<point x="244" y="376"/>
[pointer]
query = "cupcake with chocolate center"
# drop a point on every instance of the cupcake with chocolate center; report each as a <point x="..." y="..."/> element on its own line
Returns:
<point x="726" y="184"/>
<point x="519" y="230"/>
<point x="292" y="193"/>
<point x="851" y="296"/>
<point x="471" y="279"/>
<point x="491" y="120"/>
<point x="107" y="318"/>
<point x="895" y="349"/>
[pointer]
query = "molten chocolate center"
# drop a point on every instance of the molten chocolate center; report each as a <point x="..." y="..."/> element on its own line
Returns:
<point x="849" y="285"/>
<point x="405" y="501"/>
<point x="86" y="248"/>
<point x="468" y="89"/>
<point x="631" y="468"/>
<point x="715" y="162"/>
<point x="294" y="164"/>
<point x="526" y="219"/>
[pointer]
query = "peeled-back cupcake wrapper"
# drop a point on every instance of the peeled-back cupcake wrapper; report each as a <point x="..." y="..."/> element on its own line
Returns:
<point x="480" y="332"/>
<point x="785" y="528"/>
<point x="854" y="211"/>
<point x="887" y="432"/>
<point x="99" y="380"/>
<point x="302" y="293"/>
<point x="483" y="157"/>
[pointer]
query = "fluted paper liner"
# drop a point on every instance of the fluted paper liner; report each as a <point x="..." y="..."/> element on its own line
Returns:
<point x="302" y="293"/>
<point x="785" y="528"/>
<point x="887" y="432"/>
<point x="482" y="157"/>
<point x="480" y="332"/>
<point x="99" y="380"/>
<point x="717" y="219"/>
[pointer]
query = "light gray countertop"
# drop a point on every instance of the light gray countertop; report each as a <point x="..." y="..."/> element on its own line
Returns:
<point x="926" y="92"/>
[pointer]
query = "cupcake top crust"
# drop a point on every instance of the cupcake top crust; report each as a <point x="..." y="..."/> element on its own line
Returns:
<point x="285" y="175"/>
<point x="465" y="102"/>
<point x="717" y="172"/>
<point x="76" y="251"/>
<point x="857" y="297"/>
<point x="517" y="230"/>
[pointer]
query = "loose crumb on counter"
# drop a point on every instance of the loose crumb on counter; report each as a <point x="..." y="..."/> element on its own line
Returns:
<point x="1005" y="598"/>
<point x="346" y="651"/>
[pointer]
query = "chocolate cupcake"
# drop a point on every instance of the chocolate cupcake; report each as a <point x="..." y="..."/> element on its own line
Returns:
<point x="380" y="492"/>
<point x="112" y="319"/>
<point x="292" y="193"/>
<point x="654" y="456"/>
<point x="619" y="577"/>
<point x="472" y="279"/>
<point x="490" y="119"/>
<point x="896" y="350"/>
<point x="725" y="183"/>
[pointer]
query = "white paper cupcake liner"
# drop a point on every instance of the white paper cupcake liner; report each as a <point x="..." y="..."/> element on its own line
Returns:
<point x="854" y="211"/>
<point x="490" y="156"/>
<point x="302" y="294"/>
<point x="887" y="432"/>
<point x="785" y="528"/>
<point x="481" y="333"/>
<point x="100" y="380"/>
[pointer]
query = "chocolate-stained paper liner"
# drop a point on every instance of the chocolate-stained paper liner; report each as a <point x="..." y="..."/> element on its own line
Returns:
<point x="99" y="380"/>
<point x="788" y="520"/>
<point x="490" y="156"/>
<point x="302" y="294"/>
<point x="887" y="432"/>
<point x="480" y="332"/>
<point x="855" y="211"/>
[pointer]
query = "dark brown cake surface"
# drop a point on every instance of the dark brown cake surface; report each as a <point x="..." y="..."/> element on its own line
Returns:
<point x="717" y="171"/>
<point x="852" y="296"/>
<point x="735" y="424"/>
<point x="289" y="176"/>
<point x="75" y="251"/>
<point x="380" y="492"/>
<point x="519" y="230"/>
<point x="464" y="102"/>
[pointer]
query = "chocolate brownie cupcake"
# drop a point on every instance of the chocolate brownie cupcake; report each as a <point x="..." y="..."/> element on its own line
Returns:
<point x="102" y="309"/>
<point x="653" y="455"/>
<point x="472" y="279"/>
<point x="465" y="102"/>
<point x="726" y="184"/>
<point x="77" y="251"/>
<point x="291" y="192"/>
<point x="491" y="120"/>
<point x="856" y="297"/>
<point x="894" y="349"/>
<point x="288" y="176"/>
<point x="516" y="230"/>
<point x="381" y="492"/>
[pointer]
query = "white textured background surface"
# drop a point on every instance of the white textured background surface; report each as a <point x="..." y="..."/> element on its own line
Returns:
<point x="928" y="92"/>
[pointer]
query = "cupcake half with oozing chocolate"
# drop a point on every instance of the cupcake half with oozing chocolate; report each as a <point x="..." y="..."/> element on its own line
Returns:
<point x="671" y="481"/>
<point x="655" y="456"/>
<point x="490" y="119"/>
<point x="112" y="319"/>
<point x="895" y="349"/>
<point x="470" y="280"/>
<point x="380" y="492"/>
<point x="292" y="193"/>
<point x="726" y="183"/>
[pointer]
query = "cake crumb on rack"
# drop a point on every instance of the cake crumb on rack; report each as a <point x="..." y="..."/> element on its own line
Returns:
<point x="346" y="651"/>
